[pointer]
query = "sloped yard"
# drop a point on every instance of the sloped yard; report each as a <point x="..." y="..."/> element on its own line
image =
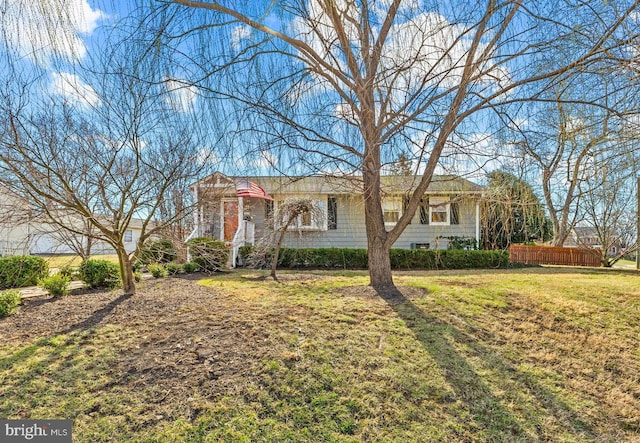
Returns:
<point x="536" y="354"/>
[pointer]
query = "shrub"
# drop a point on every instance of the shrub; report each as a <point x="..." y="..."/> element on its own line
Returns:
<point x="157" y="251"/>
<point x="137" y="276"/>
<point x="22" y="270"/>
<point x="174" y="268"/>
<point x="137" y="266"/>
<point x="56" y="284"/>
<point x="208" y="254"/>
<point x="447" y="259"/>
<point x="344" y="258"/>
<point x="157" y="270"/>
<point x="466" y="243"/>
<point x="9" y="301"/>
<point x="100" y="274"/>
<point x="68" y="271"/>
<point x="190" y="267"/>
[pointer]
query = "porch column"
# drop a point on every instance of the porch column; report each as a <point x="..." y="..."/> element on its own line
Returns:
<point x="196" y="220"/>
<point x="478" y="223"/>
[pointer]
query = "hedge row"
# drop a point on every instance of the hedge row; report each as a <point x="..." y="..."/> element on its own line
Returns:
<point x="22" y="270"/>
<point x="344" y="258"/>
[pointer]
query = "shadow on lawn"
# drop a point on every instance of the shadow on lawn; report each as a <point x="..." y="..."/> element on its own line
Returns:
<point x="437" y="336"/>
<point x="66" y="352"/>
<point x="99" y="315"/>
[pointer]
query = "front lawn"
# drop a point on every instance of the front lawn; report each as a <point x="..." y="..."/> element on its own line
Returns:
<point x="532" y="354"/>
<point x="58" y="261"/>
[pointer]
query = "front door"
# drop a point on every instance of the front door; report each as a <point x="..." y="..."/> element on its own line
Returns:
<point x="230" y="210"/>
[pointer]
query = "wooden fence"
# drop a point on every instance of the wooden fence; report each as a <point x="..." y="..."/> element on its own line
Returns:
<point x="554" y="255"/>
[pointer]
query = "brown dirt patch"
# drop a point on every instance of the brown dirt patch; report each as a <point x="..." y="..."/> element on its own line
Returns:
<point x="184" y="340"/>
<point x="460" y="284"/>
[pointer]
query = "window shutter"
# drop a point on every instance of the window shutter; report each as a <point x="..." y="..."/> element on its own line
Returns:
<point x="405" y="203"/>
<point x="332" y="213"/>
<point x="454" y="217"/>
<point x="268" y="208"/>
<point x="424" y="211"/>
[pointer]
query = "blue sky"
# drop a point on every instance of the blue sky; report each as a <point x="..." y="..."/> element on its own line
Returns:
<point x="81" y="31"/>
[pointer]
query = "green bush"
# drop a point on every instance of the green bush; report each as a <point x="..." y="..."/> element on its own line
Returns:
<point x="22" y="270"/>
<point x="157" y="270"/>
<point x="174" y="268"/>
<point x="9" y="301"/>
<point x="157" y="251"/>
<point x="457" y="242"/>
<point x="56" y="284"/>
<point x="208" y="254"/>
<point x="100" y="274"/>
<point x="447" y="259"/>
<point x="344" y="258"/>
<point x="328" y="258"/>
<point x="68" y="271"/>
<point x="137" y="276"/>
<point x="190" y="267"/>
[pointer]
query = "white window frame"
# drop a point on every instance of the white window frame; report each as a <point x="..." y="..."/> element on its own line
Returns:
<point x="128" y="238"/>
<point x="391" y="205"/>
<point x="435" y="203"/>
<point x="316" y="225"/>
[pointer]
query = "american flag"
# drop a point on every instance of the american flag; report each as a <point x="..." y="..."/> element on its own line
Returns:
<point x="246" y="188"/>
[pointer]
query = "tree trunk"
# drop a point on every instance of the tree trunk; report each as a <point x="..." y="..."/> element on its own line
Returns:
<point x="377" y="236"/>
<point x="86" y="249"/>
<point x="379" y="265"/>
<point x="560" y="235"/>
<point x="276" y="253"/>
<point x="126" y="271"/>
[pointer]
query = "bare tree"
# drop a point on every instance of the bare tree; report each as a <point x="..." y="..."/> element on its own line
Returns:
<point x="115" y="153"/>
<point x="349" y="83"/>
<point x="609" y="209"/>
<point x="286" y="216"/>
<point x="564" y="142"/>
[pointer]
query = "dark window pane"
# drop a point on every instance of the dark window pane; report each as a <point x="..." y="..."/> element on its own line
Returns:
<point x="424" y="211"/>
<point x="268" y="208"/>
<point x="455" y="213"/>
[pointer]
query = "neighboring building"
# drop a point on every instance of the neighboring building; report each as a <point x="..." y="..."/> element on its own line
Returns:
<point x="22" y="232"/>
<point x="236" y="209"/>
<point x="15" y="227"/>
<point x="47" y="239"/>
<point x="587" y="237"/>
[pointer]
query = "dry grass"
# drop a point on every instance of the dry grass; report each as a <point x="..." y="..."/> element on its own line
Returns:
<point x="57" y="261"/>
<point x="542" y="354"/>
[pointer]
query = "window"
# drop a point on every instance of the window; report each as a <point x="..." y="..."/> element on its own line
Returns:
<point x="128" y="236"/>
<point x="308" y="221"/>
<point x="391" y="211"/>
<point x="268" y="208"/>
<point x="439" y="212"/>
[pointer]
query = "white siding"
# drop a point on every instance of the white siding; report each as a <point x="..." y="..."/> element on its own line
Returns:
<point x="351" y="228"/>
